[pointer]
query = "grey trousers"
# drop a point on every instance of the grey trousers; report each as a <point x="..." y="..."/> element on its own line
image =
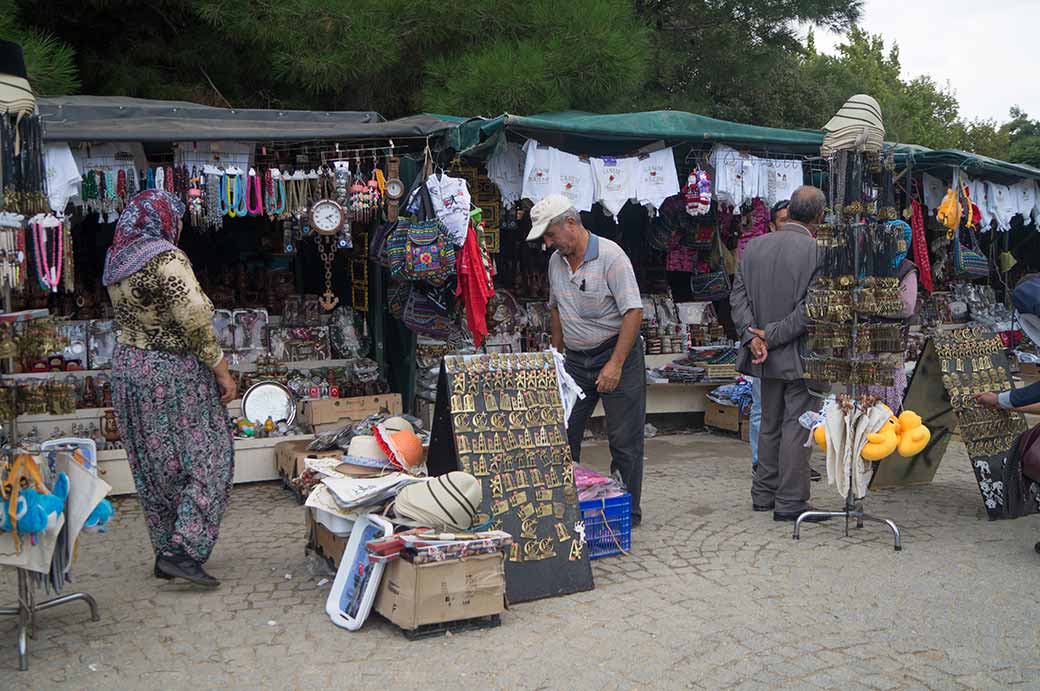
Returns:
<point x="782" y="478"/>
<point x="625" y="409"/>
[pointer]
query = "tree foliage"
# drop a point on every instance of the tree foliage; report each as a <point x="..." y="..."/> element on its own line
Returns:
<point x="50" y="63"/>
<point x="741" y="61"/>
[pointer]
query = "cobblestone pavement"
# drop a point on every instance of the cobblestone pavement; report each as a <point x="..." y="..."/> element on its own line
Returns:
<point x="713" y="596"/>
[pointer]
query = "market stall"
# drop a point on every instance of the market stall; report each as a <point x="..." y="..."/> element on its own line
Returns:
<point x="280" y="204"/>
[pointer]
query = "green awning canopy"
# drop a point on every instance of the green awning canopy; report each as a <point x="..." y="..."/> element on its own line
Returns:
<point x="941" y="162"/>
<point x="620" y="133"/>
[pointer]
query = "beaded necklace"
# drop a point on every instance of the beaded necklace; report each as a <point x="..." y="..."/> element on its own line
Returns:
<point x="214" y="209"/>
<point x="232" y="195"/>
<point x="223" y="206"/>
<point x="168" y="179"/>
<point x="254" y="200"/>
<point x="241" y="188"/>
<point x="49" y="274"/>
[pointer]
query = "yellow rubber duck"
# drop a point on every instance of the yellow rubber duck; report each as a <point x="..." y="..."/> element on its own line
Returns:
<point x="820" y="437"/>
<point x="881" y="444"/>
<point x="914" y="436"/>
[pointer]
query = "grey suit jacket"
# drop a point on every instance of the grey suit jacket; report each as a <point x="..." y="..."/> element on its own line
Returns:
<point x="769" y="292"/>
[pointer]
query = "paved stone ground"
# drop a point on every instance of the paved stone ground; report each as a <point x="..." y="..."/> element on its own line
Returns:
<point x="713" y="596"/>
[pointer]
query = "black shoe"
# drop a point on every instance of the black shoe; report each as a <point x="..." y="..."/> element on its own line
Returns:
<point x="793" y="516"/>
<point x="761" y="507"/>
<point x="188" y="569"/>
<point x="814" y="475"/>
<point x="160" y="574"/>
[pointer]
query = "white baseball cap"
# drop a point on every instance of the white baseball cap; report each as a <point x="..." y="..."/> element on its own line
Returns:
<point x="544" y="211"/>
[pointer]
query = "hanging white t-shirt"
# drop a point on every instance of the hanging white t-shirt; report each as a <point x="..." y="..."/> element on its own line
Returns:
<point x="1002" y="203"/>
<point x="977" y="192"/>
<point x="934" y="191"/>
<point x="63" y="176"/>
<point x="615" y="182"/>
<point x="506" y="169"/>
<point x="657" y="179"/>
<point x="1025" y="198"/>
<point x="575" y="180"/>
<point x="451" y="203"/>
<point x="785" y="176"/>
<point x="728" y="163"/>
<point x="539" y="178"/>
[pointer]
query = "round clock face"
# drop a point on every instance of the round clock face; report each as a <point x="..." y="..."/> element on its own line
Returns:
<point x="327" y="217"/>
<point x="394" y="189"/>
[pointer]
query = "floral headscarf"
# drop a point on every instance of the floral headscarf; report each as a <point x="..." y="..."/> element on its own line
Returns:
<point x="146" y="228"/>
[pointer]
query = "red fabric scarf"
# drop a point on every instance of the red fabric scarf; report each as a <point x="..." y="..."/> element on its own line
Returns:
<point x="474" y="286"/>
<point x="924" y="265"/>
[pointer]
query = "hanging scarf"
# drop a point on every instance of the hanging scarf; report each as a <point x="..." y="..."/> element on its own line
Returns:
<point x="908" y="238"/>
<point x="474" y="286"/>
<point x="146" y="228"/>
<point x="920" y="243"/>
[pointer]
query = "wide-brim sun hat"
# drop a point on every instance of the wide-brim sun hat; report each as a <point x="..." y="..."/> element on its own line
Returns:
<point x="16" y="95"/>
<point x="445" y="502"/>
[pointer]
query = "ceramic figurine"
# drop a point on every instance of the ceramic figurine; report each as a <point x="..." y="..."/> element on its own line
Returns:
<point x="111" y="427"/>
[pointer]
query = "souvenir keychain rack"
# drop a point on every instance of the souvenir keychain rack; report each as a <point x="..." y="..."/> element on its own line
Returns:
<point x="853" y="508"/>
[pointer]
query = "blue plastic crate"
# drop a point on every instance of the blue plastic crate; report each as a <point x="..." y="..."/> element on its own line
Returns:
<point x="608" y="525"/>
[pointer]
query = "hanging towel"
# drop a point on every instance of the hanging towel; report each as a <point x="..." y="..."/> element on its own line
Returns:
<point x="475" y="286"/>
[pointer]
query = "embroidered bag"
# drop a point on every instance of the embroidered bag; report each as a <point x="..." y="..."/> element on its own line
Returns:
<point x="421" y="251"/>
<point x="969" y="262"/>
<point x="710" y="287"/>
<point x="426" y="318"/>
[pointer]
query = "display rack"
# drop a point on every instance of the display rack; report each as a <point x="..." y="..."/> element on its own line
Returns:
<point x="853" y="508"/>
<point x="28" y="607"/>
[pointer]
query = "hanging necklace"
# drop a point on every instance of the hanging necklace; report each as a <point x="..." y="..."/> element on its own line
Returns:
<point x="241" y="188"/>
<point x="223" y="205"/>
<point x="159" y="181"/>
<point x="254" y="200"/>
<point x="232" y="195"/>
<point x="49" y="274"/>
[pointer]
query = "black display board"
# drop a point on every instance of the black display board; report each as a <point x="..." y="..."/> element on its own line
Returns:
<point x="499" y="418"/>
<point x="925" y="395"/>
<point x="972" y="362"/>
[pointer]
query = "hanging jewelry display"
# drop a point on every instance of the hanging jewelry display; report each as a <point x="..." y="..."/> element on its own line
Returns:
<point x="48" y="244"/>
<point x="68" y="272"/>
<point x="327" y="253"/>
<point x="215" y="201"/>
<point x="254" y="198"/>
<point x="21" y="164"/>
<point x="12" y="250"/>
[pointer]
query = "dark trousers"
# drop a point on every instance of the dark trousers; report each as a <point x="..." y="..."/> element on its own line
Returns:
<point x="782" y="478"/>
<point x="625" y="408"/>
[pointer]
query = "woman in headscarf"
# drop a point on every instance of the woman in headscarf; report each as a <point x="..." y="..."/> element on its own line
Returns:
<point x="170" y="385"/>
<point x="906" y="273"/>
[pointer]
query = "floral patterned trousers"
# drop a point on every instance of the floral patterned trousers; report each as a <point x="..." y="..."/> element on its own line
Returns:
<point x="180" y="446"/>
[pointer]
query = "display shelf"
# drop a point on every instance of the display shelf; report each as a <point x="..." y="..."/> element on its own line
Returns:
<point x="302" y="364"/>
<point x="29" y="376"/>
<point x="254" y="462"/>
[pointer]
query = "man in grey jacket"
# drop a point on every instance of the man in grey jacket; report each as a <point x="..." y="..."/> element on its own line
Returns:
<point x="768" y="302"/>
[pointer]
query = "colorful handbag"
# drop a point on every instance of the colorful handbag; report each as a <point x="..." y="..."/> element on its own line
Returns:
<point x="969" y="262"/>
<point x="426" y="318"/>
<point x="710" y="287"/>
<point x="421" y="251"/>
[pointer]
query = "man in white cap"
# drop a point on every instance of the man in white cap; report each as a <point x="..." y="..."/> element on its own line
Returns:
<point x="596" y="313"/>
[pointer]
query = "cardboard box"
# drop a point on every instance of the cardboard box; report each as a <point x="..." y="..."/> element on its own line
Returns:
<point x="413" y="595"/>
<point x="330" y="414"/>
<point x="745" y="428"/>
<point x="724" y="417"/>
<point x="1029" y="370"/>
<point x="324" y="542"/>
<point x="289" y="457"/>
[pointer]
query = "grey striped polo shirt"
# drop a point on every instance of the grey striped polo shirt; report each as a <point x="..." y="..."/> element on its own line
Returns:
<point x="593" y="299"/>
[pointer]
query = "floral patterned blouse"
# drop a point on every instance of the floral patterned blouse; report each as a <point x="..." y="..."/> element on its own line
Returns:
<point x="162" y="307"/>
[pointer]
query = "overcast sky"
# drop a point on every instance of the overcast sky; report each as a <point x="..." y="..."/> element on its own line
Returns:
<point x="988" y="51"/>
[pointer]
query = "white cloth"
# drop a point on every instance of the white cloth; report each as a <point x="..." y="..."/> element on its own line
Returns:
<point x="506" y="169"/>
<point x="977" y="192"/>
<point x="574" y="177"/>
<point x="1002" y="204"/>
<point x="1025" y="199"/>
<point x="615" y="182"/>
<point x="785" y="176"/>
<point x="63" y="176"/>
<point x="570" y="392"/>
<point x="219" y="154"/>
<point x="739" y="178"/>
<point x="934" y="191"/>
<point x="539" y="178"/>
<point x="657" y="179"/>
<point x="451" y="202"/>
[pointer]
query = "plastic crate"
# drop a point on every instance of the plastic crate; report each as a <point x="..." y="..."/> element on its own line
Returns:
<point x="608" y="525"/>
